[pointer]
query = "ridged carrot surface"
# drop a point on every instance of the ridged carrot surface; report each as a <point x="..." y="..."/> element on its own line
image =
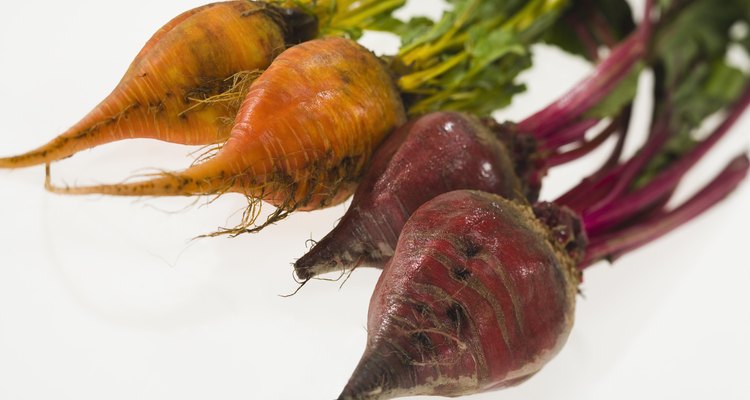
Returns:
<point x="303" y="135"/>
<point x="191" y="58"/>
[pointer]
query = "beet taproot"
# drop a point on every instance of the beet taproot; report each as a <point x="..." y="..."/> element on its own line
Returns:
<point x="434" y="154"/>
<point x="478" y="296"/>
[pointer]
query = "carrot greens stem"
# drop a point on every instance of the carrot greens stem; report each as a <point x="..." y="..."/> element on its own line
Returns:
<point x="347" y="18"/>
<point x="469" y="59"/>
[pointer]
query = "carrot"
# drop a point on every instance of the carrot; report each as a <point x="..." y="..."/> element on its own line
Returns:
<point x="304" y="146"/>
<point x="185" y="86"/>
<point x="159" y="97"/>
<point x="302" y="136"/>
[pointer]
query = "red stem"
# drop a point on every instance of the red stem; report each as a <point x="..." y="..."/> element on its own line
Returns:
<point x="589" y="44"/>
<point x="614" y="158"/>
<point x="603" y="31"/>
<point x="591" y="190"/>
<point x="582" y="190"/>
<point x="607" y="75"/>
<point x="599" y="191"/>
<point x="569" y="134"/>
<point x="633" y="203"/>
<point x="618" y="243"/>
<point x="634" y="166"/>
<point x="585" y="148"/>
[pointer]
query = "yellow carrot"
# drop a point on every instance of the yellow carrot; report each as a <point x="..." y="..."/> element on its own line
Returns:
<point x="191" y="58"/>
<point x="302" y="137"/>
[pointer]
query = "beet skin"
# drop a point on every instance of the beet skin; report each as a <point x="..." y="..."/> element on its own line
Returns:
<point x="434" y="154"/>
<point x="478" y="296"/>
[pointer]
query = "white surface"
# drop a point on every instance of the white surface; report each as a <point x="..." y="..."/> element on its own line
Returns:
<point x="106" y="298"/>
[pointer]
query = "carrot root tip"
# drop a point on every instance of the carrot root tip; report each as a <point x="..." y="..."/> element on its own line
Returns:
<point x="250" y="217"/>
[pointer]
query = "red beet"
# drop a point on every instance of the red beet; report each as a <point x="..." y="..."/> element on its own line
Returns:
<point x="434" y="154"/>
<point x="480" y="292"/>
<point x="479" y="296"/>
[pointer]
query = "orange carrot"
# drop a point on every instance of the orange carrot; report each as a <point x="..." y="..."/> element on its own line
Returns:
<point x="302" y="137"/>
<point x="191" y="58"/>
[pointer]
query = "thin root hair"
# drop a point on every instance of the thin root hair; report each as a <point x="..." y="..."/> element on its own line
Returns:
<point x="310" y="243"/>
<point x="231" y="98"/>
<point x="299" y="287"/>
<point x="205" y="153"/>
<point x="348" y="273"/>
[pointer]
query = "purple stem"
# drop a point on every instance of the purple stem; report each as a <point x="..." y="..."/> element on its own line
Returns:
<point x="590" y="191"/>
<point x="607" y="75"/>
<point x="589" y="44"/>
<point x="576" y="198"/>
<point x="656" y="211"/>
<point x="569" y="134"/>
<point x="614" y="158"/>
<point x="607" y="169"/>
<point x="602" y="29"/>
<point x="635" y="165"/>
<point x="616" y="244"/>
<point x="598" y="192"/>
<point x="585" y="148"/>
<point x="633" y="203"/>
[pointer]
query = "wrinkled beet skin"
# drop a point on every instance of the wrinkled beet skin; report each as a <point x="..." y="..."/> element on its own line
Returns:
<point x="434" y="154"/>
<point x="476" y="298"/>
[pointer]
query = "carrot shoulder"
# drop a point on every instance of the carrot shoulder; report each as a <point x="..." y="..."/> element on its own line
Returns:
<point x="191" y="58"/>
<point x="303" y="135"/>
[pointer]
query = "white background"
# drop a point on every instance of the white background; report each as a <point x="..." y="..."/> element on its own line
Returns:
<point x="107" y="298"/>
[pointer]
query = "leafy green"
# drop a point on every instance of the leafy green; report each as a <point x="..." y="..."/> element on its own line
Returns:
<point x="619" y="97"/>
<point x="603" y="22"/>
<point x="470" y="58"/>
<point x="694" y="79"/>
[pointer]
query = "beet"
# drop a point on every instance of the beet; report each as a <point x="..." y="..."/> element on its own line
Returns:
<point x="480" y="292"/>
<point x="434" y="154"/>
<point x="479" y="296"/>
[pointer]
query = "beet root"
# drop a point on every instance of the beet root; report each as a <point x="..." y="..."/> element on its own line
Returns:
<point x="479" y="295"/>
<point x="434" y="154"/>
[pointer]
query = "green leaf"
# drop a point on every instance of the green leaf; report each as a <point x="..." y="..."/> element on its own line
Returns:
<point x="600" y="20"/>
<point x="700" y="31"/>
<point x="694" y="80"/>
<point x="620" y="97"/>
<point x="469" y="59"/>
<point x="487" y="47"/>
